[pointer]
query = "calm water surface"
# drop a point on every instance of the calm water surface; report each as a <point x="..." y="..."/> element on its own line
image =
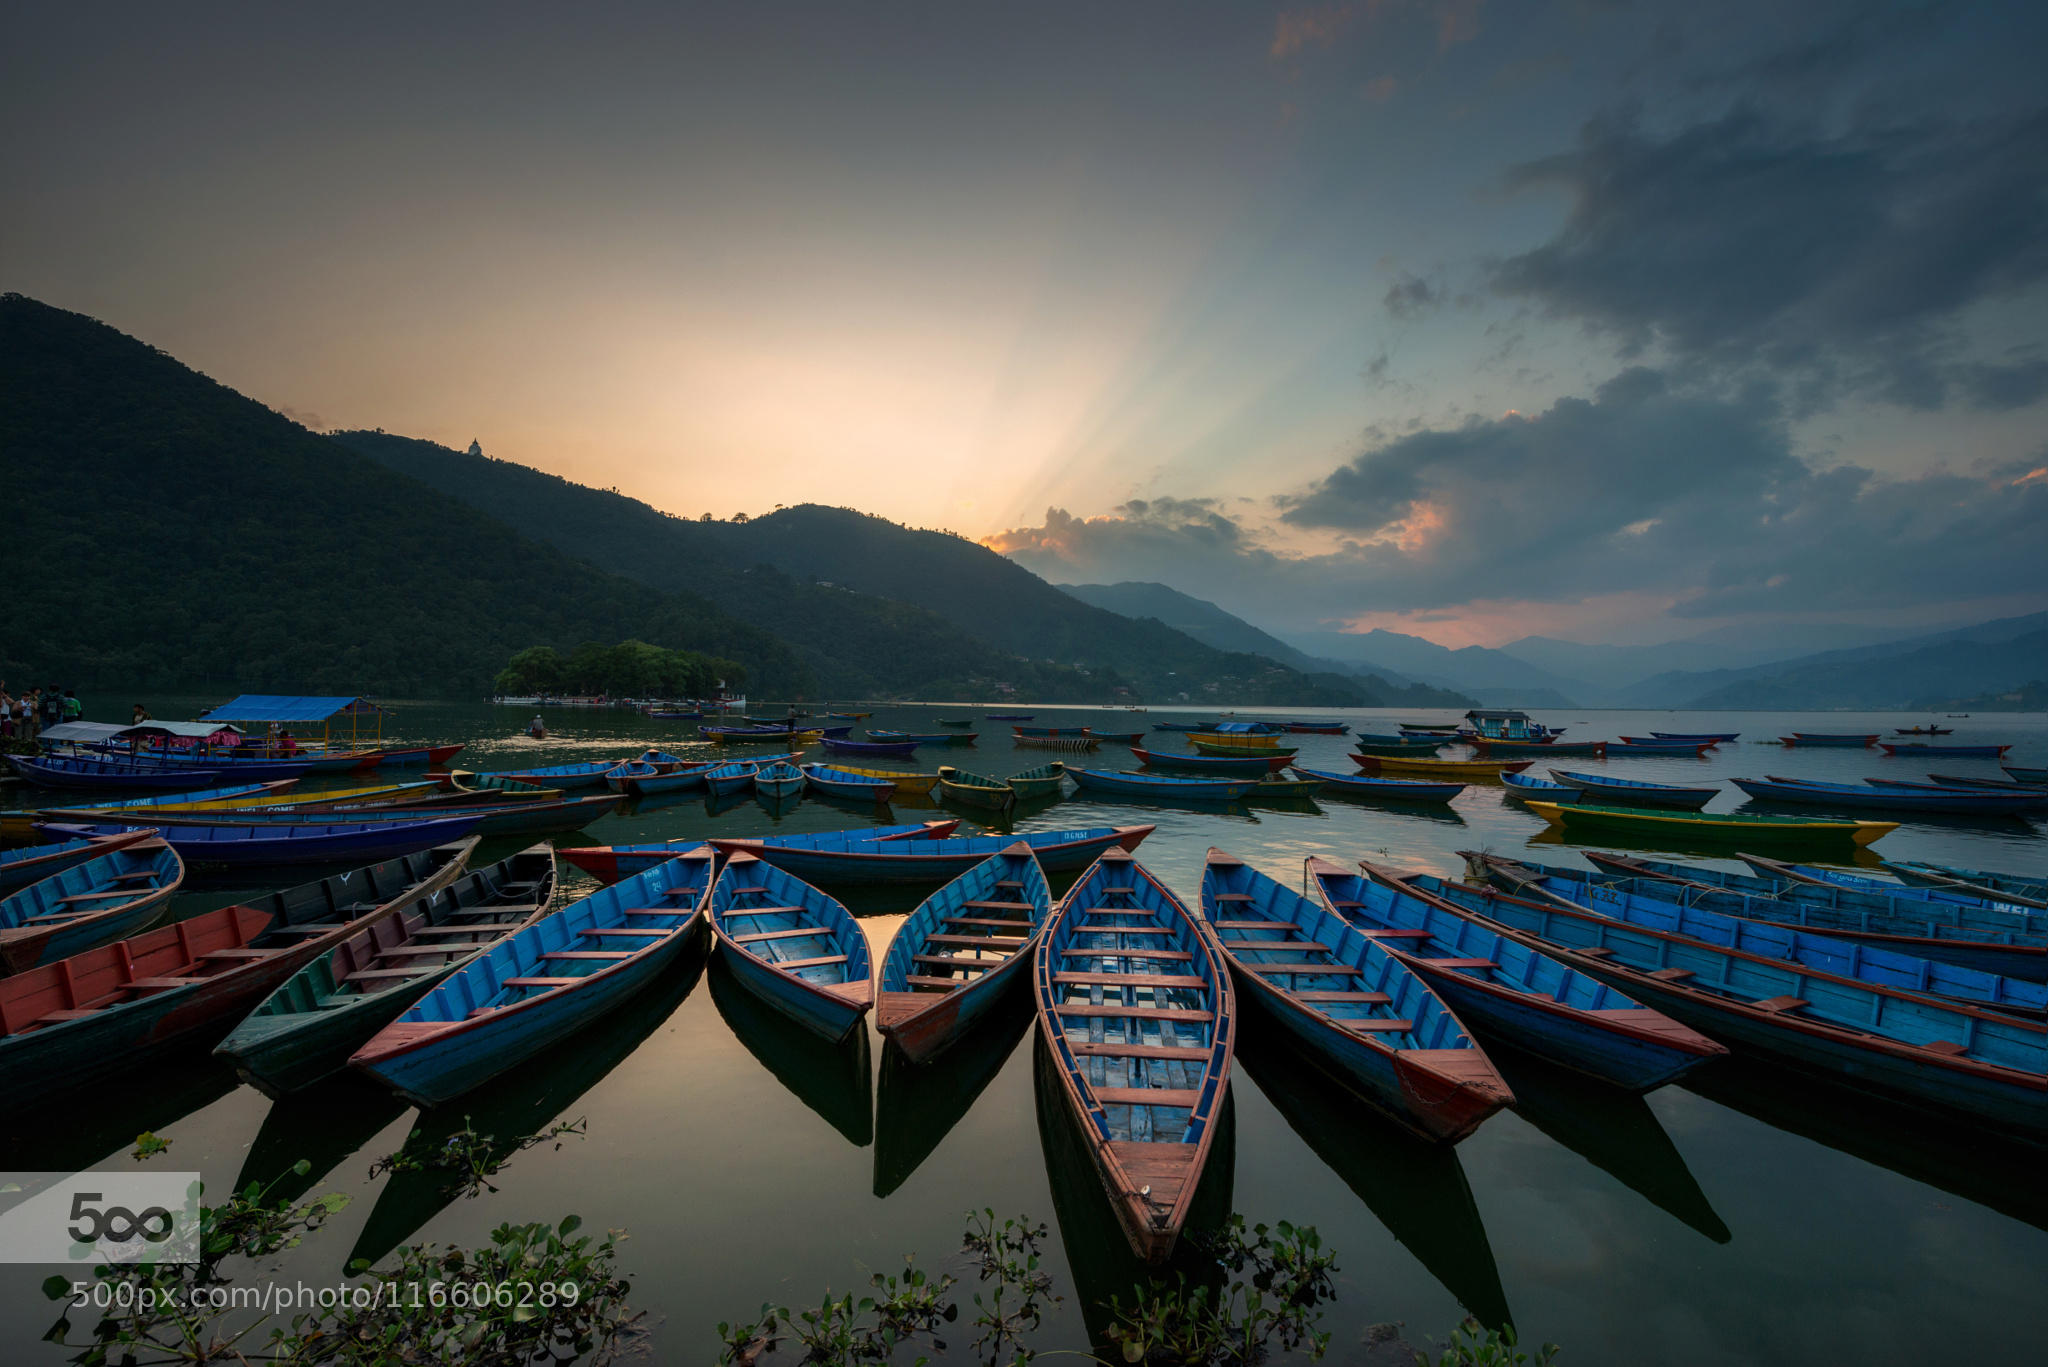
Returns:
<point x="1749" y="1216"/>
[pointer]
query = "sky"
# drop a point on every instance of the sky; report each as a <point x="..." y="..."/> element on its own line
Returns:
<point x="1603" y="320"/>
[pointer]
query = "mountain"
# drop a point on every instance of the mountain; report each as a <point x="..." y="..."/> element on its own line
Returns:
<point x="164" y="532"/>
<point x="1928" y="671"/>
<point x="876" y="609"/>
<point x="1611" y="668"/>
<point x="1213" y="626"/>
<point x="1495" y="678"/>
<point x="2031" y="696"/>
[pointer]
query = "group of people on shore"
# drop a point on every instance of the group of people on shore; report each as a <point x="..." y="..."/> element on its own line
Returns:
<point x="24" y="717"/>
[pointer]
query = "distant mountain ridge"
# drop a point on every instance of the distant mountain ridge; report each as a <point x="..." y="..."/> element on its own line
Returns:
<point x="1494" y="677"/>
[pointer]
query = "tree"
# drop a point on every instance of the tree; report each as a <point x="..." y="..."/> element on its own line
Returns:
<point x="476" y="448"/>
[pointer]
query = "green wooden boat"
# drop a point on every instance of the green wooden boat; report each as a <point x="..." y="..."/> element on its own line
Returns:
<point x="1047" y="780"/>
<point x="1733" y="828"/>
<point x="1289" y="789"/>
<point x="503" y="788"/>
<point x="1420" y="747"/>
<point x="976" y="790"/>
<point x="956" y="721"/>
<point x="1233" y="751"/>
<point x="316" y="1018"/>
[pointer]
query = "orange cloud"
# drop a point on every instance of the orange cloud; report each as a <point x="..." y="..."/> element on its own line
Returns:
<point x="1297" y="29"/>
<point x="1380" y="89"/>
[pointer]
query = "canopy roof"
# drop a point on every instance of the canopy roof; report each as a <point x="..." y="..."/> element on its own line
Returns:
<point x="278" y="707"/>
<point x="81" y="731"/>
<point x="1495" y="714"/>
<point x="197" y="730"/>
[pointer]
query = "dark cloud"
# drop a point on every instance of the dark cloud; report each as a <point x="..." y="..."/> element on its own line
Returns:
<point x="1411" y="297"/>
<point x="1842" y="262"/>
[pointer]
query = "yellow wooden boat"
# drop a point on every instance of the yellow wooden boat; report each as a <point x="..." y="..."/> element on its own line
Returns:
<point x="905" y="783"/>
<point x="1416" y="764"/>
<point x="1731" y="828"/>
<point x="1233" y="741"/>
<point x="383" y="792"/>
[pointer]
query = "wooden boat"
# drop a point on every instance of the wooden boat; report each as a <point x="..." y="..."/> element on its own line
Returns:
<point x="1007" y="716"/>
<point x="955" y="721"/>
<point x="2026" y="890"/>
<point x="19" y="868"/>
<point x="1422" y="749"/>
<point x="1138" y="1013"/>
<point x="1591" y="819"/>
<point x="722" y="779"/>
<point x="779" y="779"/>
<point x="1922" y="751"/>
<point x="236" y="795"/>
<point x="1995" y="785"/>
<point x="418" y="756"/>
<point x="1522" y="995"/>
<point x="1459" y="768"/>
<point x="760" y="735"/>
<point x="953" y="959"/>
<point x="1396" y="789"/>
<point x="905" y="782"/>
<point x="2022" y="774"/>
<point x="976" y="790"/>
<point x="1065" y="744"/>
<point x="323" y="1013"/>
<point x="1117" y="737"/>
<point x="541" y="983"/>
<point x="1047" y="780"/>
<point x="1137" y="784"/>
<point x="1711" y="737"/>
<point x="1238" y="742"/>
<point x="1429" y="728"/>
<point x="1049" y="730"/>
<point x="1848" y="942"/>
<point x="1375" y="740"/>
<point x="1641" y="747"/>
<point x="839" y="857"/>
<point x="72" y="1022"/>
<point x="632" y="778"/>
<point x="792" y="946"/>
<point x="1363" y="1014"/>
<point x="589" y="774"/>
<point x="849" y="716"/>
<point x="1834" y="739"/>
<point x="497" y="785"/>
<point x="1542" y="789"/>
<point x="117" y="891"/>
<point x="1629" y="792"/>
<point x="1548" y="749"/>
<point x="1983" y="1065"/>
<point x="610" y="863"/>
<point x="923" y="737"/>
<point x="1812" y="793"/>
<point x="843" y="783"/>
<point x="59" y="771"/>
<point x="492" y="817"/>
<point x="284" y="843"/>
<point x="1275" y="789"/>
<point x="1185" y="725"/>
<point x="869" y="748"/>
<point x="1929" y="730"/>
<point x="1316" y="728"/>
<point x="1251" y="765"/>
<point x="1793" y="880"/>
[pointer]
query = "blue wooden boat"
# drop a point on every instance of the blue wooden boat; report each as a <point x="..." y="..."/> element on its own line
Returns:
<point x="492" y="817"/>
<point x="2019" y="773"/>
<point x="792" y="946"/>
<point x="1007" y="716"/>
<point x="1844" y="740"/>
<point x="1542" y="748"/>
<point x="610" y="863"/>
<point x="309" y="1026"/>
<point x="778" y="779"/>
<point x="1711" y="737"/>
<point x="952" y="961"/>
<point x="1134" y="784"/>
<point x="1359" y="1011"/>
<point x="730" y="778"/>
<point x="540" y="984"/>
<point x="1372" y="740"/>
<point x="1959" y="1060"/>
<point x="1137" y="1011"/>
<point x="847" y="857"/>
<point x="836" y="732"/>
<point x="250" y="769"/>
<point x="2005" y="942"/>
<point x="232" y="793"/>
<point x="1813" y="793"/>
<point x="754" y="734"/>
<point x="64" y="771"/>
<point x="920" y="737"/>
<point x="2028" y="890"/>
<point x="119" y="890"/>
<point x="1395" y="789"/>
<point x="1117" y="737"/>
<point x="632" y="778"/>
<point x="1185" y="725"/>
<point x="1920" y="750"/>
<point x="1252" y="766"/>
<point x="1316" y="728"/>
<point x="19" y="868"/>
<point x="903" y="749"/>
<point x="281" y="843"/>
<point x="1050" y="730"/>
<point x="1999" y="785"/>
<point x="1541" y="789"/>
<point x="1787" y="930"/>
<point x="853" y="787"/>
<point x="67" y="1024"/>
<point x="588" y="774"/>
<point x="1519" y="994"/>
<point x="1632" y="793"/>
<point x="1639" y="747"/>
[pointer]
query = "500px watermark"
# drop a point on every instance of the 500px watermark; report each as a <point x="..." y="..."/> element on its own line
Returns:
<point x="99" y="1217"/>
<point x="274" y="1298"/>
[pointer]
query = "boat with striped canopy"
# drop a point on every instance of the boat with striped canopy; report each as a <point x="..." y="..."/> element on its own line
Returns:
<point x="1585" y="819"/>
<point x="1134" y="783"/>
<point x="1233" y="764"/>
<point x="1446" y="768"/>
<point x="1527" y="786"/>
<point x="976" y="790"/>
<point x="1394" y="789"/>
<point x="610" y="863"/>
<point x="19" y="868"/>
<point x="1630" y="792"/>
<point x="538" y="985"/>
<point x="841" y="857"/>
<point x="2028" y="890"/>
<point x="792" y="946"/>
<point x="1872" y="945"/>
<point x="1138" y="1014"/>
<point x="1521" y="995"/>
<point x="1959" y="1060"/>
<point x="316" y="1018"/>
<point x="1047" y="780"/>
<point x="119" y="890"/>
<point x="843" y="783"/>
<point x="953" y="960"/>
<point x="69" y="1023"/>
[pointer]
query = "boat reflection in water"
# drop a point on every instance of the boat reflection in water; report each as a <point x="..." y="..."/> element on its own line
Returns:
<point x="831" y="1079"/>
<point x="521" y="1103"/>
<point x="918" y="1104"/>
<point x="1614" y="1130"/>
<point x="100" y="1124"/>
<point x="2000" y="1174"/>
<point x="1417" y="1189"/>
<point x="323" y="1124"/>
<point x="1099" y="1256"/>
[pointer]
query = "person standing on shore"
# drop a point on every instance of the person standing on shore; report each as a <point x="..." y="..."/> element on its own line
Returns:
<point x="141" y="716"/>
<point x="74" y="710"/>
<point x="53" y="707"/>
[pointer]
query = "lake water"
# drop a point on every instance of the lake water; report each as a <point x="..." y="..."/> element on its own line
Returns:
<point x="1750" y="1215"/>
